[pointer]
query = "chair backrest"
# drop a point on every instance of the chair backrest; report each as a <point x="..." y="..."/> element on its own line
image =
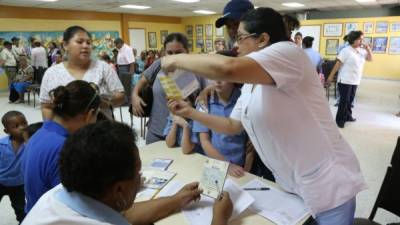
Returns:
<point x="389" y="194"/>
<point x="327" y="67"/>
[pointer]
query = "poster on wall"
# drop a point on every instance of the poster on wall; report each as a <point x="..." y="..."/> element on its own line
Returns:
<point x="332" y="46"/>
<point x="368" y="27"/>
<point x="394" y="46"/>
<point x="200" y="43"/>
<point x="379" y="44"/>
<point x="209" y="30"/>
<point x="395" y="27"/>
<point x="163" y="35"/>
<point x="333" y="29"/>
<point x="350" y="27"/>
<point x="189" y="30"/>
<point x="152" y="38"/>
<point x="209" y="45"/>
<point x="367" y="41"/>
<point x="102" y="41"/>
<point x="381" y="27"/>
<point x="190" y="44"/>
<point x="219" y="32"/>
<point x="199" y="30"/>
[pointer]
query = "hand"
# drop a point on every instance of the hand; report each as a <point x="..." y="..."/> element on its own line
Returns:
<point x="204" y="94"/>
<point x="180" y="121"/>
<point x="222" y="209"/>
<point x="190" y="192"/>
<point x="180" y="108"/>
<point x="235" y="170"/>
<point x="137" y="103"/>
<point x="168" y="63"/>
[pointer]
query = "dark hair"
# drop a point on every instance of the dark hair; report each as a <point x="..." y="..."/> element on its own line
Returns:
<point x="265" y="20"/>
<point x="345" y="37"/>
<point x="291" y="22"/>
<point x="298" y="34"/>
<point x="14" y="39"/>
<point x="227" y="53"/>
<point x="76" y="97"/>
<point x="71" y="31"/>
<point x="178" y="37"/>
<point x="106" y="57"/>
<point x="308" y="41"/>
<point x="118" y="41"/>
<point x="7" y="43"/>
<point x="37" y="43"/>
<point x="53" y="44"/>
<point x="32" y="128"/>
<point x="97" y="156"/>
<point x="354" y="35"/>
<point x="8" y="115"/>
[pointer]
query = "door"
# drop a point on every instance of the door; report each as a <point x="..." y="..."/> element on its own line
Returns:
<point x="137" y="39"/>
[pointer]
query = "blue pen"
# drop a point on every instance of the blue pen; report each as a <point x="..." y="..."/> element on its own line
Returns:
<point x="257" y="189"/>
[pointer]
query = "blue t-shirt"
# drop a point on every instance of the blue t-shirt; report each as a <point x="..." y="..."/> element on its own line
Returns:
<point x="10" y="163"/>
<point x="232" y="147"/>
<point x="41" y="161"/>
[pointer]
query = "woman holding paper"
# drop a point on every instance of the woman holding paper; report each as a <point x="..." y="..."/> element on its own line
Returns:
<point x="283" y="109"/>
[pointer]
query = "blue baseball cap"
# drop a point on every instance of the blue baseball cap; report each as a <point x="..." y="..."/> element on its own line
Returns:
<point x="234" y="10"/>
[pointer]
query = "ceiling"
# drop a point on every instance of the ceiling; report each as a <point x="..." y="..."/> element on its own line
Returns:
<point x="172" y="8"/>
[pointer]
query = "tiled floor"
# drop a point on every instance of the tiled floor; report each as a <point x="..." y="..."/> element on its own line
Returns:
<point x="372" y="137"/>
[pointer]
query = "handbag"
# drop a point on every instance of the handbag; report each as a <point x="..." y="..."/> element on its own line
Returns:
<point x="146" y="94"/>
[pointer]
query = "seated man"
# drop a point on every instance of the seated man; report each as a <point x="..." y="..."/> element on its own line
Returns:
<point x="23" y="79"/>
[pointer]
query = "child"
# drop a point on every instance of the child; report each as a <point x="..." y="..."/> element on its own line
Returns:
<point x="11" y="154"/>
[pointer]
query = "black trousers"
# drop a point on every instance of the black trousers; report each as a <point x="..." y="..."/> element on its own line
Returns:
<point x="17" y="197"/>
<point x="347" y="94"/>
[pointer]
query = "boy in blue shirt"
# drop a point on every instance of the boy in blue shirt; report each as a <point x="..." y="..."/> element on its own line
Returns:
<point x="11" y="154"/>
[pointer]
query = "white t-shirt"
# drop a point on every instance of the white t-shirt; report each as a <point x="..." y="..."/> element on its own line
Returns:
<point x="8" y="57"/>
<point x="99" y="73"/>
<point x="17" y="51"/>
<point x="353" y="64"/>
<point x="292" y="129"/>
<point x="125" y="55"/>
<point x="39" y="57"/>
<point x="49" y="210"/>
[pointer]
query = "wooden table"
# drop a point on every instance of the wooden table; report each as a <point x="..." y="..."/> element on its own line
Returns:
<point x="189" y="169"/>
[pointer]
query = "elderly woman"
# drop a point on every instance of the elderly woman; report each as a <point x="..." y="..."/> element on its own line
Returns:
<point x="99" y="170"/>
<point x="283" y="109"/>
<point x="23" y="79"/>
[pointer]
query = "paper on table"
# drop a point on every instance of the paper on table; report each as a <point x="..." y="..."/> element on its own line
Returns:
<point x="200" y="213"/>
<point x="280" y="207"/>
<point x="170" y="189"/>
<point x="145" y="194"/>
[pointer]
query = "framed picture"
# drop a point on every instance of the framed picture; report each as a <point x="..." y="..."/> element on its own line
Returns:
<point x="333" y="29"/>
<point x="189" y="30"/>
<point x="332" y="46"/>
<point x="367" y="41"/>
<point x="190" y="44"/>
<point x="395" y="27"/>
<point x="219" y="32"/>
<point x="381" y="27"/>
<point x="200" y="43"/>
<point x="199" y="30"/>
<point x="368" y="27"/>
<point x="379" y="44"/>
<point x="163" y="35"/>
<point x="394" y="47"/>
<point x="152" y="39"/>
<point x="209" y="45"/>
<point x="209" y="30"/>
<point x="350" y="27"/>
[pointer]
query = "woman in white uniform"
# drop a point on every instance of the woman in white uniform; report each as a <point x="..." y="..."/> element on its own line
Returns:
<point x="285" y="113"/>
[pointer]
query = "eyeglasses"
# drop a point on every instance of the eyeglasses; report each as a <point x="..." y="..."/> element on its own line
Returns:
<point x="241" y="37"/>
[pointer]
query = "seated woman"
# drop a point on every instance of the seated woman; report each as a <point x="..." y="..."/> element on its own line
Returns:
<point x="23" y="80"/>
<point x="99" y="171"/>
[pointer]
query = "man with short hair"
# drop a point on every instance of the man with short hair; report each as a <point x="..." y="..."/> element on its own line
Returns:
<point x="39" y="61"/>
<point x="8" y="61"/>
<point x="125" y="65"/>
<point x="17" y="50"/>
<point x="233" y="11"/>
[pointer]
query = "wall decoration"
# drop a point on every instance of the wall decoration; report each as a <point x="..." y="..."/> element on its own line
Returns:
<point x="332" y="46"/>
<point x="367" y="41"/>
<point x="219" y="32"/>
<point x="209" y="45"/>
<point x="333" y="29"/>
<point x="350" y="27"/>
<point x="200" y="43"/>
<point x="379" y="44"/>
<point x="368" y="27"/>
<point x="152" y="39"/>
<point x="209" y="30"/>
<point x="394" y="47"/>
<point x="163" y="35"/>
<point x="189" y="31"/>
<point x="102" y="41"/>
<point x="190" y="44"/>
<point x="381" y="27"/>
<point x="199" y="30"/>
<point x="395" y="27"/>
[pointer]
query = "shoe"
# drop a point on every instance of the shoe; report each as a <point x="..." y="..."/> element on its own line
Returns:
<point x="340" y="125"/>
<point x="351" y="119"/>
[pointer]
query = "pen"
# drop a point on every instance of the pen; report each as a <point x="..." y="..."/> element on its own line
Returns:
<point x="257" y="189"/>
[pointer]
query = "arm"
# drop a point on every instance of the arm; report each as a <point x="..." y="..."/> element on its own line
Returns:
<point x="117" y="98"/>
<point x="334" y="70"/>
<point x="138" y="102"/>
<point x="47" y="111"/>
<point x="209" y="148"/>
<point x="170" y="139"/>
<point x="132" y="68"/>
<point x="369" y="53"/>
<point x="222" y="209"/>
<point x="218" y="67"/>
<point x="187" y="145"/>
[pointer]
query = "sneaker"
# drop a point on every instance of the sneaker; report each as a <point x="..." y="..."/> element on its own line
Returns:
<point x="351" y="119"/>
<point x="340" y="125"/>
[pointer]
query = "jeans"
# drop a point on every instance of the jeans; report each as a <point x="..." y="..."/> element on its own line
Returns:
<point x="341" y="215"/>
<point x="17" y="197"/>
<point x="344" y="112"/>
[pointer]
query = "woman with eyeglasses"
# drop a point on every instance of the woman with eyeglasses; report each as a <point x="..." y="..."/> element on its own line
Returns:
<point x="175" y="43"/>
<point x="75" y="105"/>
<point x="285" y="113"/>
<point x="79" y="66"/>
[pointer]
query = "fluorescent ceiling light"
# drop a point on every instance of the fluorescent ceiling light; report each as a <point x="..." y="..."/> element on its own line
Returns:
<point x="207" y="12"/>
<point x="293" y="4"/>
<point x="135" y="6"/>
<point x="365" y="1"/>
<point x="186" y="1"/>
<point x="47" y="0"/>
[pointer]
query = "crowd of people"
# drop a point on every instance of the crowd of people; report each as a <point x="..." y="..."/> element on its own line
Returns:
<point x="254" y="99"/>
